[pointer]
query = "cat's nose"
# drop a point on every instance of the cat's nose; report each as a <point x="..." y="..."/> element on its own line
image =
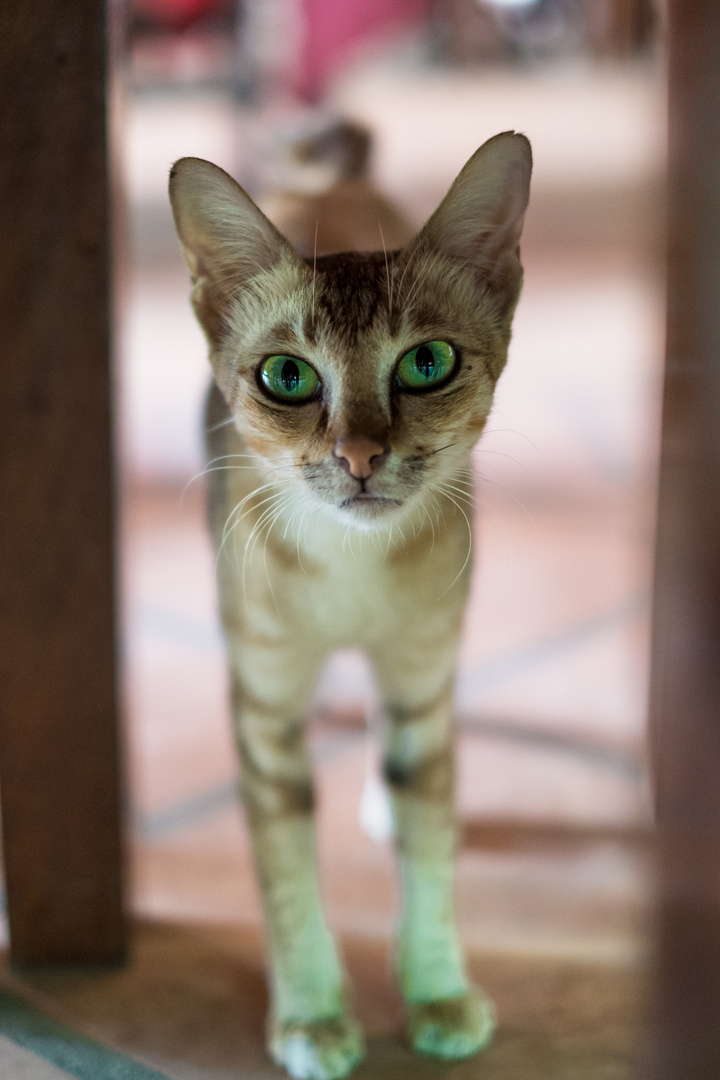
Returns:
<point x="359" y="456"/>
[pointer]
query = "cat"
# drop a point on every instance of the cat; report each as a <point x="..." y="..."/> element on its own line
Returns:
<point x="318" y="192"/>
<point x="349" y="392"/>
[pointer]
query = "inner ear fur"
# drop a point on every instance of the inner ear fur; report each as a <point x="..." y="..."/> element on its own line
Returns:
<point x="480" y="219"/>
<point x="225" y="238"/>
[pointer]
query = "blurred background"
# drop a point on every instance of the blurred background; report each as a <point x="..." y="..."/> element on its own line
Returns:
<point x="552" y="681"/>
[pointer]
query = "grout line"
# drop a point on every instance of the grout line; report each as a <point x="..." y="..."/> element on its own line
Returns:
<point x="208" y="638"/>
<point x="187" y="812"/>
<point x="158" y="825"/>
<point x="488" y="676"/>
<point x="610" y="757"/>
<point x="78" y="1055"/>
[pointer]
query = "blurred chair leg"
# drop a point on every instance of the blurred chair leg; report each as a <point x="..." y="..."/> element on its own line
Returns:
<point x="59" y="760"/>
<point x="685" y="701"/>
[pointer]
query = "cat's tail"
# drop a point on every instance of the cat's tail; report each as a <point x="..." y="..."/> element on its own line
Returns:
<point x="343" y="144"/>
<point x="317" y="153"/>
<point x="319" y="192"/>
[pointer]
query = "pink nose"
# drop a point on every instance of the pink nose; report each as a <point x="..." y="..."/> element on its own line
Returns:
<point x="359" y="456"/>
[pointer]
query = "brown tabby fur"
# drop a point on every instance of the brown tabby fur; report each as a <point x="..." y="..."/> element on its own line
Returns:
<point x="316" y="552"/>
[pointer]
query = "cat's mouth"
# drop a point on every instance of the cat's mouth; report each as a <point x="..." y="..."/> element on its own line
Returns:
<point x="368" y="504"/>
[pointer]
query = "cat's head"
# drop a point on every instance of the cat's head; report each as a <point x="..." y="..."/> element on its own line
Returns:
<point x="363" y="378"/>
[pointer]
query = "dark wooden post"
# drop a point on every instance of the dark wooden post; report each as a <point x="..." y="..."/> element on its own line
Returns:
<point x="685" y="706"/>
<point x="59" y="775"/>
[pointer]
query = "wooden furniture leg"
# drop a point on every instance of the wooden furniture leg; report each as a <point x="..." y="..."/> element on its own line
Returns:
<point x="59" y="774"/>
<point x="685" y="698"/>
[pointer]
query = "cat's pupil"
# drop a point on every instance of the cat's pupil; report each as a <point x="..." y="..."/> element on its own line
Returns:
<point x="425" y="361"/>
<point x="290" y="375"/>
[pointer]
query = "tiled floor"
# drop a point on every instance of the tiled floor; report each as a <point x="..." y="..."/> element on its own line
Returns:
<point x="192" y="1006"/>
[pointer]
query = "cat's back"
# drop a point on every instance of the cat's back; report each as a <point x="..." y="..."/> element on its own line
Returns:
<point x="350" y="216"/>
<point x="322" y="198"/>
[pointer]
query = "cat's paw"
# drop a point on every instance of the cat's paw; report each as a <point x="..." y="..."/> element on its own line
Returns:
<point x="317" y="1049"/>
<point x="452" y="1028"/>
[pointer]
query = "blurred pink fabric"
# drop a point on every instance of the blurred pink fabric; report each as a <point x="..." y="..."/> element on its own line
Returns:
<point x="332" y="29"/>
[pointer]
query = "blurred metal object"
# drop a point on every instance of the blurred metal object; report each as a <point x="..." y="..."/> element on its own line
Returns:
<point x="490" y="31"/>
<point x="685" y="693"/>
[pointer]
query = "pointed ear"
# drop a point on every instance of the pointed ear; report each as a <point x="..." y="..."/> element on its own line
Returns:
<point x="480" y="219"/>
<point x="225" y="238"/>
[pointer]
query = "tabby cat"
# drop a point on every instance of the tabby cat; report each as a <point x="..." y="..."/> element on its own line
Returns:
<point x="349" y="392"/>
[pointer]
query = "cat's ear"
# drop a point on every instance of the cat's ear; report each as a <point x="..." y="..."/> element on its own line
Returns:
<point x="480" y="219"/>
<point x="222" y="232"/>
<point x="225" y="238"/>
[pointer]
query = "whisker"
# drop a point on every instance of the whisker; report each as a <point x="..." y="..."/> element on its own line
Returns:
<point x="348" y="533"/>
<point x="278" y="512"/>
<point x="290" y="521"/>
<point x="263" y="470"/>
<point x="413" y="292"/>
<point x="510" y="431"/>
<point x="466" y="493"/>
<point x="314" y="271"/>
<point x="239" y="506"/>
<point x="507" y="491"/>
<point x="206" y="468"/>
<point x="465" y="483"/>
<point x="405" y="269"/>
<point x="430" y="523"/>
<point x="438" y="509"/>
<point x="463" y="497"/>
<point x="261" y="466"/>
<point x="224" y="457"/>
<point x="308" y="517"/>
<point x="207" y="471"/>
<point x="387" y="270"/>
<point x="469" y="550"/>
<point x="221" y="424"/>
<point x="498" y="453"/>
<point x="265" y="521"/>
<point x="298" y="535"/>
<point x="477" y="450"/>
<point x="228" y="528"/>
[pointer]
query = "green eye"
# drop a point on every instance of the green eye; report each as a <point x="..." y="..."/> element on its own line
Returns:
<point x="289" y="378"/>
<point x="426" y="366"/>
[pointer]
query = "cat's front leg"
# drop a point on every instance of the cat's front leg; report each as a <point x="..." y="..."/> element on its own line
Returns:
<point x="448" y="1017"/>
<point x="311" y="1029"/>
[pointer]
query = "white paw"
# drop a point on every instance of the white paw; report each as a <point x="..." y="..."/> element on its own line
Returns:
<point x="317" y="1049"/>
<point x="375" y="811"/>
<point x="452" y="1028"/>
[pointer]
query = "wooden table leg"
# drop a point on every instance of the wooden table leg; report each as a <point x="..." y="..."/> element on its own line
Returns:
<point x="685" y="706"/>
<point x="59" y="774"/>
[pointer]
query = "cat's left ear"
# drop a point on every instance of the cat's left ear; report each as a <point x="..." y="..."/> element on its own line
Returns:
<point x="225" y="238"/>
<point x="481" y="218"/>
<point x="222" y="231"/>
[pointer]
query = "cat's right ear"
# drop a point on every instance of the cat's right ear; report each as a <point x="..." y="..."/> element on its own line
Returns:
<point x="225" y="238"/>
<point x="480" y="220"/>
